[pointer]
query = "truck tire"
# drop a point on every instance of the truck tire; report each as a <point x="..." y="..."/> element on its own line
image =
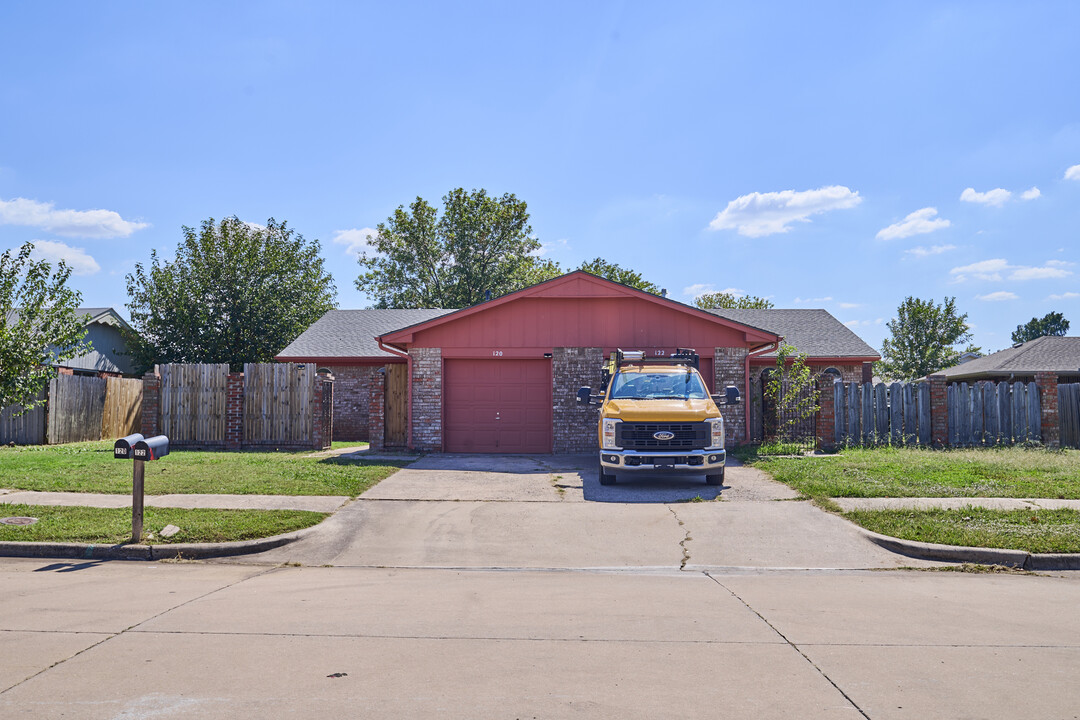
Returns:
<point x="717" y="479"/>
<point x="606" y="479"/>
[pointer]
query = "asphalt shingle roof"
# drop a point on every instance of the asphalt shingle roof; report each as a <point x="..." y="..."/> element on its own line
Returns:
<point x="814" y="332"/>
<point x="352" y="333"/>
<point x="1045" y="354"/>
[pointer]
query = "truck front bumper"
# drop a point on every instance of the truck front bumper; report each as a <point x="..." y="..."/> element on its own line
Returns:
<point x="679" y="462"/>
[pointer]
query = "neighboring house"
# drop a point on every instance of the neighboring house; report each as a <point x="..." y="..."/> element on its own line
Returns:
<point x="107" y="356"/>
<point x="502" y="376"/>
<point x="1054" y="354"/>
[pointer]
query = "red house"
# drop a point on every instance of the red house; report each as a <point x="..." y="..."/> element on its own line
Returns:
<point x="502" y="376"/>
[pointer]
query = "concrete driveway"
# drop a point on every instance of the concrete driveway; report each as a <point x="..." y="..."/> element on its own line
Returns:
<point x="484" y="511"/>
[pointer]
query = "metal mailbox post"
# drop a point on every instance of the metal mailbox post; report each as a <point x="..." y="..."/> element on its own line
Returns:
<point x="141" y="450"/>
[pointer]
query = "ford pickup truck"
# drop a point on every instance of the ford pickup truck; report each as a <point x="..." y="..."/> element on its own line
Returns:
<point x="657" y="417"/>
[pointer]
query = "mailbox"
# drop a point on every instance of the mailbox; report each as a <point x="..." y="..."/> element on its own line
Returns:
<point x="122" y="447"/>
<point x="153" y="448"/>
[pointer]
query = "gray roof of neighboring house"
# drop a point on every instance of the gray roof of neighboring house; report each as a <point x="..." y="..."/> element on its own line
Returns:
<point x="1045" y="354"/>
<point x="352" y="333"/>
<point x="814" y="332"/>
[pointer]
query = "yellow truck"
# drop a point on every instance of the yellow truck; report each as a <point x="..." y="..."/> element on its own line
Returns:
<point x="658" y="418"/>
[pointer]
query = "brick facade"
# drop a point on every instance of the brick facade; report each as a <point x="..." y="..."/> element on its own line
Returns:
<point x="234" y="411"/>
<point x="427" y="399"/>
<point x="1048" y="404"/>
<point x="376" y="412"/>
<point x="574" y="425"/>
<point x="151" y="405"/>
<point x="826" y="416"/>
<point x="939" y="411"/>
<point x="352" y="400"/>
<point x="729" y="366"/>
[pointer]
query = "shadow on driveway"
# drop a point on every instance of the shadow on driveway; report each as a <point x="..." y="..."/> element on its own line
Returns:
<point x="633" y="488"/>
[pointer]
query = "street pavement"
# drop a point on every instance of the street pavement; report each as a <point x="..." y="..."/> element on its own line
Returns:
<point x="515" y="588"/>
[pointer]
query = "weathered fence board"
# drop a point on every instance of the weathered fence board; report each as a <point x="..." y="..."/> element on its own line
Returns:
<point x="76" y="408"/>
<point x="1069" y="414"/>
<point x="757" y="430"/>
<point x="123" y="408"/>
<point x="193" y="403"/>
<point x="278" y="403"/>
<point x="23" y="428"/>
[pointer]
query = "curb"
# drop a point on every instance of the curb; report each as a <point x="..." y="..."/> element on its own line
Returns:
<point x="982" y="556"/>
<point x="189" y="551"/>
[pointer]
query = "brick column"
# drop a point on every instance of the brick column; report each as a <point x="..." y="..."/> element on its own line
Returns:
<point x="729" y="365"/>
<point x="574" y="425"/>
<point x="377" y="411"/>
<point x="322" y="425"/>
<point x="826" y="415"/>
<point x="939" y="411"/>
<point x="234" y="411"/>
<point x="151" y="405"/>
<point x="868" y="372"/>
<point x="427" y="399"/>
<point x="1048" y="404"/>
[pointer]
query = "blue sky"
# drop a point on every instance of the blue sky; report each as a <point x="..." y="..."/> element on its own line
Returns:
<point x="817" y="154"/>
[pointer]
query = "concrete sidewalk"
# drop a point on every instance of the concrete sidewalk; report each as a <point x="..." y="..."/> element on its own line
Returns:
<point x="316" y="503"/>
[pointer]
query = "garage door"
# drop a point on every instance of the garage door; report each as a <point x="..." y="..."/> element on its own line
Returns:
<point x="497" y="406"/>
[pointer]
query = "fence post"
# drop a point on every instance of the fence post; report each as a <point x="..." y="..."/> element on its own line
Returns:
<point x="151" y="404"/>
<point x="377" y="411"/>
<point x="826" y="417"/>
<point x="939" y="411"/>
<point x="234" y="411"/>
<point x="1047" y="383"/>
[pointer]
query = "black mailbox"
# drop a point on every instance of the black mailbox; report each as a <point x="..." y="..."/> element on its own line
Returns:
<point x="153" y="448"/>
<point x="122" y="447"/>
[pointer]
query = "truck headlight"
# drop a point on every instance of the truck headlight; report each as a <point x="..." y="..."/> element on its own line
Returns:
<point x="716" y="426"/>
<point x="608" y="433"/>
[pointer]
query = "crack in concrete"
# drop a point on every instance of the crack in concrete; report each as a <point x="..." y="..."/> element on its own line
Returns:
<point x="793" y="646"/>
<point x="682" y="543"/>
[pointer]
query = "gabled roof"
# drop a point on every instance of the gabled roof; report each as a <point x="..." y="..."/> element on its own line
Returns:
<point x="103" y="315"/>
<point x="599" y="287"/>
<point x="1045" y="354"/>
<point x="814" y="332"/>
<point x="350" y="334"/>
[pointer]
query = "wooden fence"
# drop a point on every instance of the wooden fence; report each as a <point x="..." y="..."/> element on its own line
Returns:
<point x="278" y="403"/>
<point x="92" y="408"/>
<point x="988" y="413"/>
<point x="1069" y="414"/>
<point x="23" y="428"/>
<point x="192" y="403"/>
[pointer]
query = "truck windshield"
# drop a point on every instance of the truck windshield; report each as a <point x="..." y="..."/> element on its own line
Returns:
<point x="658" y="386"/>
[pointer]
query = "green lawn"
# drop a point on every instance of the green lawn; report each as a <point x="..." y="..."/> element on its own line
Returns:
<point x="90" y="467"/>
<point x="113" y="525"/>
<point x="1041" y="531"/>
<point x="910" y="472"/>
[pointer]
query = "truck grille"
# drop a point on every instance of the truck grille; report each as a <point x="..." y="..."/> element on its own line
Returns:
<point x="639" y="436"/>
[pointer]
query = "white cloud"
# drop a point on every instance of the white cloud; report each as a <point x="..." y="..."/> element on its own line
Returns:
<point x="1031" y="194"/>
<point x="803" y="301"/>
<point x="996" y="270"/>
<point x="864" y="323"/>
<point x="546" y="247"/>
<point x="69" y="223"/>
<point x="849" y="305"/>
<point x="996" y="197"/>
<point x="76" y="258"/>
<point x="1073" y="173"/>
<point x="760" y="214"/>
<point x="998" y="296"/>
<point x="1065" y="296"/>
<point x="919" y="222"/>
<point x="921" y="251"/>
<point x="356" y="241"/>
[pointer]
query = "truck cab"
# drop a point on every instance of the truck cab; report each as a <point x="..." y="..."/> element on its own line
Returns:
<point x="658" y="418"/>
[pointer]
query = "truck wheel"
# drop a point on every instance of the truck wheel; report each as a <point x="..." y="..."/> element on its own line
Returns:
<point x="717" y="479"/>
<point x="606" y="479"/>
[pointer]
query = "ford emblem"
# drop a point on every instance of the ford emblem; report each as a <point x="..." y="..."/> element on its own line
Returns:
<point x="664" y="435"/>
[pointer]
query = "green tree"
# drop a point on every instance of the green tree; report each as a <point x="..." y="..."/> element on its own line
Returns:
<point x="235" y="293"/>
<point x="709" y="301"/>
<point x="792" y="390"/>
<point x="38" y="325"/>
<point x="924" y="339"/>
<point x="1053" y="323"/>
<point x="480" y="247"/>
<point x="626" y="276"/>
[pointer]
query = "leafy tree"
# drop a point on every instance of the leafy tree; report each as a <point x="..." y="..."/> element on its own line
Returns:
<point x="924" y="339"/>
<point x="791" y="390"/>
<point x="611" y="271"/>
<point x="1053" y="323"/>
<point x="38" y="325"/>
<point x="709" y="301"/>
<point x="235" y="293"/>
<point x="480" y="247"/>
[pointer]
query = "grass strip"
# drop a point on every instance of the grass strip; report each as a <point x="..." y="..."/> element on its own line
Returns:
<point x="91" y="467"/>
<point x="916" y="472"/>
<point x="109" y="526"/>
<point x="1035" y="531"/>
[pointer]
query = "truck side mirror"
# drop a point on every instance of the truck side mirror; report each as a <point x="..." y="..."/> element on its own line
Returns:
<point x="731" y="395"/>
<point x="583" y="395"/>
